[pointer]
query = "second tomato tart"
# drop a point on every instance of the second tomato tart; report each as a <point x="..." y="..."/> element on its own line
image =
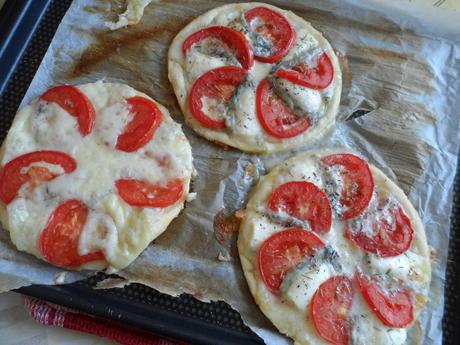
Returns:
<point x="334" y="252"/>
<point x="255" y="77"/>
<point x="91" y="174"/>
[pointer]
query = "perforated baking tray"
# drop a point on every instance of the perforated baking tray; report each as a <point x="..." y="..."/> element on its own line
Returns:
<point x="26" y="30"/>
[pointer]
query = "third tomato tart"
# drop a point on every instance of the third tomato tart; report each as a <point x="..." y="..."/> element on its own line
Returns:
<point x="255" y="77"/>
<point x="91" y="174"/>
<point x="334" y="252"/>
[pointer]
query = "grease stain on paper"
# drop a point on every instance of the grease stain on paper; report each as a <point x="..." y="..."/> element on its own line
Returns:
<point x="108" y="44"/>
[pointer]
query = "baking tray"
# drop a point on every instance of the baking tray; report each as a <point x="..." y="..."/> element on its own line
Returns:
<point x="26" y="30"/>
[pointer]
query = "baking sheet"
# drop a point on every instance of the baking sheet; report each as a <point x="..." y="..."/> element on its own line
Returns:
<point x="405" y="65"/>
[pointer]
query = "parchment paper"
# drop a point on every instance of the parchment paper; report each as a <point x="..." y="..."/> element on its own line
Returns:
<point x="404" y="66"/>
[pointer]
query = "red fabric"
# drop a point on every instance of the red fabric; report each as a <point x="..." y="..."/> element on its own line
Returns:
<point x="50" y="314"/>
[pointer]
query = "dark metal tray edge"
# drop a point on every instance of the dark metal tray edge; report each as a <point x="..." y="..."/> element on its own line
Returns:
<point x="162" y="322"/>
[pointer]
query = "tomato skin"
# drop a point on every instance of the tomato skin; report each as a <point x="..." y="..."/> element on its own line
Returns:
<point x="234" y="39"/>
<point x="12" y="179"/>
<point x="278" y="27"/>
<point x="75" y="102"/>
<point x="282" y="251"/>
<point x="58" y="242"/>
<point x="357" y="173"/>
<point x="140" y="130"/>
<point x="139" y="193"/>
<point x="316" y="78"/>
<point x="274" y="114"/>
<point x="394" y="308"/>
<point x="387" y="241"/>
<point x="218" y="83"/>
<point x="305" y="201"/>
<point x="330" y="307"/>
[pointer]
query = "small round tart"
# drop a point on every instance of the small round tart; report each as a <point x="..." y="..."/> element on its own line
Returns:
<point x="91" y="174"/>
<point x="334" y="252"/>
<point x="255" y="77"/>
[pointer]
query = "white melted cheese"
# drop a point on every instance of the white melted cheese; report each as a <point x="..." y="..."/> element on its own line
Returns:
<point x="242" y="120"/>
<point x="303" y="282"/>
<point x="114" y="227"/>
<point x="132" y="15"/>
<point x="245" y="131"/>
<point x="307" y="100"/>
<point x="367" y="329"/>
<point x="198" y="64"/>
<point x="305" y="42"/>
<point x="99" y="231"/>
<point x="213" y="108"/>
<point x="399" y="268"/>
<point x="290" y="312"/>
<point x="112" y="122"/>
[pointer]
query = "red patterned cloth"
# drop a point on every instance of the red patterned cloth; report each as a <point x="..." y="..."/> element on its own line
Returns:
<point x="54" y="315"/>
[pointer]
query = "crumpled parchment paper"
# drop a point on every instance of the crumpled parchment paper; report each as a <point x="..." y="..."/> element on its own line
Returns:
<point x="401" y="64"/>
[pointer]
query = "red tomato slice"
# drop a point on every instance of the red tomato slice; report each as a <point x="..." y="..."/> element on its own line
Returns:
<point x="143" y="194"/>
<point x="139" y="131"/>
<point x="234" y="39"/>
<point x="276" y="28"/>
<point x="393" y="308"/>
<point x="17" y="172"/>
<point x="316" y="78"/>
<point x="275" y="116"/>
<point x="330" y="309"/>
<point x="219" y="84"/>
<point x="58" y="242"/>
<point x="75" y="102"/>
<point x="281" y="252"/>
<point x="305" y="201"/>
<point x="358" y="183"/>
<point x="387" y="239"/>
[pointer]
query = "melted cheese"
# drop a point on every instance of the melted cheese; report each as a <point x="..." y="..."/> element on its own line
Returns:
<point x="307" y="102"/>
<point x="132" y="15"/>
<point x="303" y="282"/>
<point x="244" y="130"/>
<point x="367" y="329"/>
<point x="290" y="311"/>
<point x="114" y="227"/>
<point x="198" y="64"/>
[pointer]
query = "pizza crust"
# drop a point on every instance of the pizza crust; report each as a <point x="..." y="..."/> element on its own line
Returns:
<point x="245" y="141"/>
<point x="287" y="318"/>
<point x="134" y="227"/>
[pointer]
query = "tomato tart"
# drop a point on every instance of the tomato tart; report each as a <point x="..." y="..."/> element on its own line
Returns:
<point x="334" y="252"/>
<point x="91" y="174"/>
<point x="255" y="77"/>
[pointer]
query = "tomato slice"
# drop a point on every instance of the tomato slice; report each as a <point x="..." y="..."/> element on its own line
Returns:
<point x="139" y="131"/>
<point x="281" y="252"/>
<point x="75" y="102"/>
<point x="275" y="116"/>
<point x="317" y="78"/>
<point x="218" y="84"/>
<point x="330" y="308"/>
<point x="305" y="201"/>
<point x="387" y="238"/>
<point x="394" y="308"/>
<point x="58" y="242"/>
<point x="143" y="194"/>
<point x="234" y="39"/>
<point x="273" y="27"/>
<point x="358" y="183"/>
<point x="17" y="172"/>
